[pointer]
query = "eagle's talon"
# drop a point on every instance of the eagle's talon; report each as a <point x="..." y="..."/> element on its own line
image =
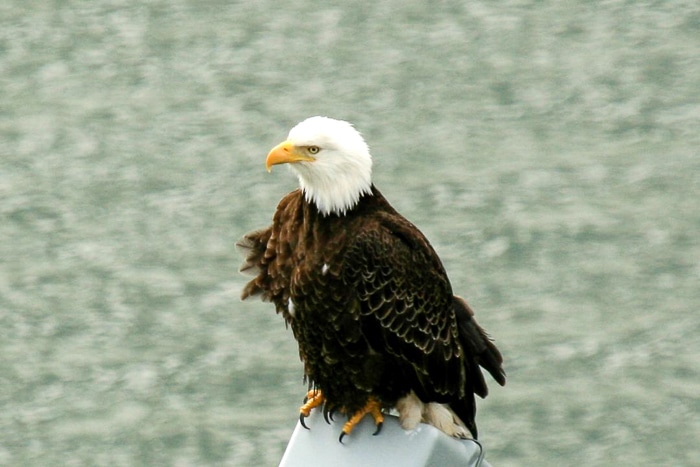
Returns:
<point x="372" y="407"/>
<point x="313" y="399"/>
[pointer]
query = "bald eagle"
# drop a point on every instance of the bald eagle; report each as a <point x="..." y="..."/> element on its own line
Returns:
<point x="366" y="296"/>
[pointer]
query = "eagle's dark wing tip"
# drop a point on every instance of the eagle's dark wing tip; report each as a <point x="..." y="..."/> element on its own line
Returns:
<point x="493" y="366"/>
<point x="478" y="343"/>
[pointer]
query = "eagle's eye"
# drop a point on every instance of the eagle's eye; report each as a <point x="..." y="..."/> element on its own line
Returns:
<point x="313" y="149"/>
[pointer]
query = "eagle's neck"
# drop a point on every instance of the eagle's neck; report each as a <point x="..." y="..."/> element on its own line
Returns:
<point x="337" y="193"/>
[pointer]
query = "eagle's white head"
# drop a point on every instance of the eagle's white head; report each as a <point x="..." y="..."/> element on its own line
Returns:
<point x="332" y="162"/>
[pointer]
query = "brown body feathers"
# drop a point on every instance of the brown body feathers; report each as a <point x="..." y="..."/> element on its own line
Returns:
<point x="370" y="305"/>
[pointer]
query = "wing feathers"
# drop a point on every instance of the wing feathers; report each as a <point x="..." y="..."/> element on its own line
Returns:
<point x="408" y="300"/>
<point x="478" y="344"/>
<point x="254" y="247"/>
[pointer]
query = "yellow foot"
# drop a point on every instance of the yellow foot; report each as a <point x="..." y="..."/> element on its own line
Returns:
<point x="313" y="399"/>
<point x="372" y="407"/>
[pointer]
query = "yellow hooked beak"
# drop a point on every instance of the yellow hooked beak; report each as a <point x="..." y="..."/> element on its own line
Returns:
<point x="285" y="153"/>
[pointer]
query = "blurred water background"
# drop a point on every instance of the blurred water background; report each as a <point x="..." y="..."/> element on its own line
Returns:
<point x="549" y="150"/>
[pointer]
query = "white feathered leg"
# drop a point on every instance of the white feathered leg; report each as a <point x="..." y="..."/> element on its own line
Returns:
<point x="410" y="411"/>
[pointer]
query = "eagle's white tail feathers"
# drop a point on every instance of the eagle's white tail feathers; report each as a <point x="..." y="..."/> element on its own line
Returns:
<point x="412" y="411"/>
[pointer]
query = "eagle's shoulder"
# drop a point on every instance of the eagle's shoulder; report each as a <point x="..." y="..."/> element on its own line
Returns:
<point x="383" y="227"/>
